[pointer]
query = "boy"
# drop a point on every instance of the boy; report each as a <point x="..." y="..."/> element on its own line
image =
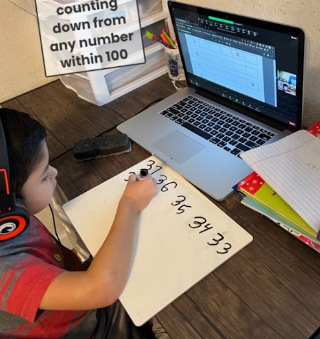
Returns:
<point x="45" y="291"/>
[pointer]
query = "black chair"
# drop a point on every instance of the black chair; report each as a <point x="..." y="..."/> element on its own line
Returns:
<point x="316" y="334"/>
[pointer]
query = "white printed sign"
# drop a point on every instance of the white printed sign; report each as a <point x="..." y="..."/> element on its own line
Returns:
<point x="89" y="35"/>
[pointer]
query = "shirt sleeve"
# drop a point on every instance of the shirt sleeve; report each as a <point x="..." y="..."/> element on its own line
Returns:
<point x="23" y="281"/>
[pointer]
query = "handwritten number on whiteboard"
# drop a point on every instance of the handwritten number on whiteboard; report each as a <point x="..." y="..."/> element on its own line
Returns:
<point x="179" y="201"/>
<point x="216" y="241"/>
<point x="164" y="188"/>
<point x="198" y="223"/>
<point x="149" y="166"/>
<point x="129" y="175"/>
<point x="207" y="228"/>
<point x="225" y="248"/>
<point x="158" y="169"/>
<point x="181" y="209"/>
<point x="162" y="180"/>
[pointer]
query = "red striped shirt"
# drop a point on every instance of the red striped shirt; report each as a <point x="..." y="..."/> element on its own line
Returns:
<point x="28" y="265"/>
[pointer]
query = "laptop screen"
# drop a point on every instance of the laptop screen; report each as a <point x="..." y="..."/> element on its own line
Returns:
<point x="250" y="65"/>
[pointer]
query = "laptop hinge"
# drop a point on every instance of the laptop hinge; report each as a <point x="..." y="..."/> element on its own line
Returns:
<point x="243" y="110"/>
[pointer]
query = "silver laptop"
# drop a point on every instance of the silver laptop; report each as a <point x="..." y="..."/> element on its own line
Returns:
<point x="244" y="80"/>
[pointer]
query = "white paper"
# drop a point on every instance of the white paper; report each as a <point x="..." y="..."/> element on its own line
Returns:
<point x="291" y="166"/>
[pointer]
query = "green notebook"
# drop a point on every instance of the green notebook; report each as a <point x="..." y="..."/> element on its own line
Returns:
<point x="254" y="187"/>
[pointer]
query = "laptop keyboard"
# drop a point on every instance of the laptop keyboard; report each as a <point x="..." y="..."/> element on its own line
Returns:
<point x="227" y="131"/>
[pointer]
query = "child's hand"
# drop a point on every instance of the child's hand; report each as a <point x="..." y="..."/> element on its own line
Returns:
<point x="139" y="193"/>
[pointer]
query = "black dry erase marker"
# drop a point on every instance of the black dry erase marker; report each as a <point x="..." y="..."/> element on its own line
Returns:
<point x="143" y="173"/>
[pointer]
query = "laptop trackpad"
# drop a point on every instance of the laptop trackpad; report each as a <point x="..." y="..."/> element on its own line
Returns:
<point x="178" y="146"/>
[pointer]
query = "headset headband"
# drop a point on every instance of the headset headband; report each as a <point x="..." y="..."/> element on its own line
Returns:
<point x="14" y="217"/>
<point x="4" y="164"/>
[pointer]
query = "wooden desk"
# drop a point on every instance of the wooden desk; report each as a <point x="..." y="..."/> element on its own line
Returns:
<point x="270" y="289"/>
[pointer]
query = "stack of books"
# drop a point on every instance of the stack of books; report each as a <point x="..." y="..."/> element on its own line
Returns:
<point x="260" y="197"/>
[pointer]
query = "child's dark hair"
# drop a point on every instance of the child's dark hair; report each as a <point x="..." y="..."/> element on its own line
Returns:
<point x="24" y="137"/>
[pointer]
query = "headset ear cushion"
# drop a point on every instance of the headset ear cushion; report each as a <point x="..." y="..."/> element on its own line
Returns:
<point x="14" y="222"/>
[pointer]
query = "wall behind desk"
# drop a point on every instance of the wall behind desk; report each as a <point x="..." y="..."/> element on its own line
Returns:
<point x="21" y="66"/>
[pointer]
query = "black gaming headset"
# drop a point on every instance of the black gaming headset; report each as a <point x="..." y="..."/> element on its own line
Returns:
<point x="14" y="216"/>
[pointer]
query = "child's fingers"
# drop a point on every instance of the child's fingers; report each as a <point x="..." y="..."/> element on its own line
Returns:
<point x="132" y="178"/>
<point x="136" y="177"/>
<point x="147" y="177"/>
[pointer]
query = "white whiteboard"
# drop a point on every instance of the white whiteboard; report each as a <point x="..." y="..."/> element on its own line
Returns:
<point x="175" y="246"/>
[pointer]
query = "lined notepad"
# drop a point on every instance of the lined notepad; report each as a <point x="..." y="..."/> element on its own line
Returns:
<point x="291" y="166"/>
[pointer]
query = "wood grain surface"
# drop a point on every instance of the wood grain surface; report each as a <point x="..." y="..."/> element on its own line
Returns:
<point x="270" y="289"/>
